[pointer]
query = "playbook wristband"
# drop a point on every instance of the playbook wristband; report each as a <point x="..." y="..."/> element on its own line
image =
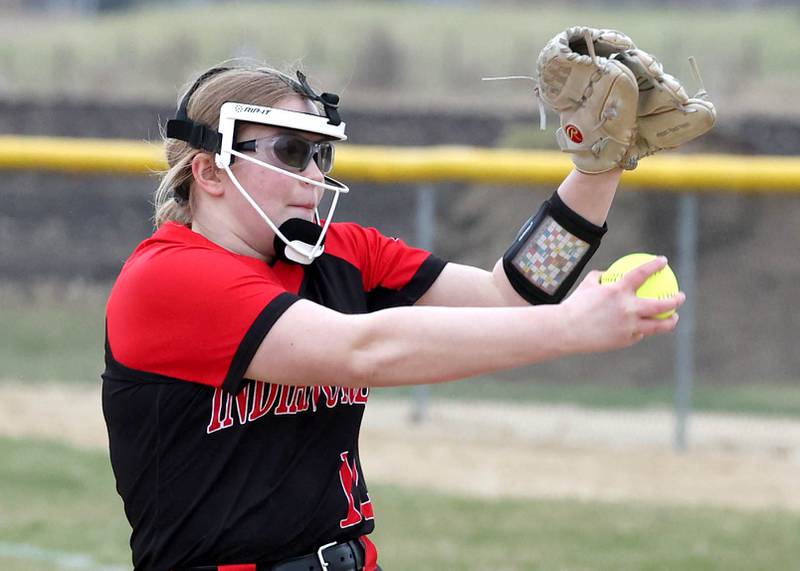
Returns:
<point x="550" y="251"/>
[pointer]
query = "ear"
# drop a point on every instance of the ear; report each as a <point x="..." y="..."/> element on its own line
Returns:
<point x="207" y="174"/>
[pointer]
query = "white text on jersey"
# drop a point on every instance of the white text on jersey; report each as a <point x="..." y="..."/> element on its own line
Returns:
<point x="258" y="399"/>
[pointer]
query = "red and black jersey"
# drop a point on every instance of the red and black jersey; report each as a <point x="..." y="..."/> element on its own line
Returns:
<point x="214" y="468"/>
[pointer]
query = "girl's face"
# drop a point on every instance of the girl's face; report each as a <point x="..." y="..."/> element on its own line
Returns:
<point x="280" y="197"/>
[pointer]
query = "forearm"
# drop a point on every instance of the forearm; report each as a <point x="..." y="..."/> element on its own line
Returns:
<point x="421" y="345"/>
<point x="508" y="296"/>
<point x="590" y="195"/>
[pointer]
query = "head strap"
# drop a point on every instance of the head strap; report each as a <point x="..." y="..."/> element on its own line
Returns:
<point x="329" y="101"/>
<point x="198" y="135"/>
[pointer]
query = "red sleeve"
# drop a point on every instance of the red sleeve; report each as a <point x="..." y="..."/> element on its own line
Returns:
<point x="193" y="313"/>
<point x="393" y="273"/>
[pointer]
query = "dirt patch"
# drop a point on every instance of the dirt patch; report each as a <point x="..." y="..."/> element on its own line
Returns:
<point x="508" y="450"/>
<point x="566" y="452"/>
<point x="71" y="413"/>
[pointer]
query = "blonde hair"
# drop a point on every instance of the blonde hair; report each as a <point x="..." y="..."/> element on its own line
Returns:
<point x="257" y="85"/>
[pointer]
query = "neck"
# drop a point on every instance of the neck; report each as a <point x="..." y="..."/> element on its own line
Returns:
<point x="229" y="240"/>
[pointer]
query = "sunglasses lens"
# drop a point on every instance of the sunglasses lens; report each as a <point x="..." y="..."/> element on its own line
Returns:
<point x="293" y="151"/>
<point x="324" y="157"/>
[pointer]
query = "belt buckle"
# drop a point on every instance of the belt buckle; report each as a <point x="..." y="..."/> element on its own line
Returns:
<point x="324" y="564"/>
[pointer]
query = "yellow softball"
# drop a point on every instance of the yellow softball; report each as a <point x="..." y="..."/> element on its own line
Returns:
<point x="660" y="285"/>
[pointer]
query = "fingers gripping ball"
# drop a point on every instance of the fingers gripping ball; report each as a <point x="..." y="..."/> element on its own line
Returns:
<point x="660" y="285"/>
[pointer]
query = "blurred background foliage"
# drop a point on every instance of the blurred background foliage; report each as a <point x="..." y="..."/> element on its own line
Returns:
<point x="382" y="53"/>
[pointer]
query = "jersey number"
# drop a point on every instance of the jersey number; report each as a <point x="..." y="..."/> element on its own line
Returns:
<point x="348" y="476"/>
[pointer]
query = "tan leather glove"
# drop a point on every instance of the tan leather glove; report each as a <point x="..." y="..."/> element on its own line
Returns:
<point x="595" y="95"/>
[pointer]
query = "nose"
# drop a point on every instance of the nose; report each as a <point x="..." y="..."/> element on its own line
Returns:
<point x="313" y="172"/>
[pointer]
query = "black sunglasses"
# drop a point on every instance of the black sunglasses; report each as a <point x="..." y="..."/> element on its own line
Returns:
<point x="291" y="150"/>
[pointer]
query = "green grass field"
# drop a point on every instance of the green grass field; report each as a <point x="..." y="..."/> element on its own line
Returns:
<point x="401" y="49"/>
<point x="47" y="333"/>
<point x="762" y="399"/>
<point x="59" y="510"/>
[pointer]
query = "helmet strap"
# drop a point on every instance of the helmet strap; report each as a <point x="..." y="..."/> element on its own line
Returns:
<point x="302" y="235"/>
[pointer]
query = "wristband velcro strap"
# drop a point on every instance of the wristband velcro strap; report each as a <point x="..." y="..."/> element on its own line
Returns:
<point x="550" y="251"/>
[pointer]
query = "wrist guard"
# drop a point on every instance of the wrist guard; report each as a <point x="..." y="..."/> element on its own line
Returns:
<point x="550" y="251"/>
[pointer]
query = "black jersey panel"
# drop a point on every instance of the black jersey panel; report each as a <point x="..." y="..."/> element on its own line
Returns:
<point x="328" y="270"/>
<point x="382" y="298"/>
<point x="335" y="283"/>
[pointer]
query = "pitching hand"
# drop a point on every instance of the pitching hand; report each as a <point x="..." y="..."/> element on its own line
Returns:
<point x="612" y="316"/>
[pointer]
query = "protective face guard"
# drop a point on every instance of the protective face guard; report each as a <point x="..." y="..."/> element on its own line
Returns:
<point x="220" y="142"/>
<point x="294" y="120"/>
<point x="296" y="250"/>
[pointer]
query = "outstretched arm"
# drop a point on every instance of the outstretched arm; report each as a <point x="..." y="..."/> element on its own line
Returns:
<point x="312" y="345"/>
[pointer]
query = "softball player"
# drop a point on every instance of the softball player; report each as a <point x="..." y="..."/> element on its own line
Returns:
<point x="244" y="335"/>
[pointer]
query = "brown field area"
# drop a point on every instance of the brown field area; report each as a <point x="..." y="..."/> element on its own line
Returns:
<point x="507" y="450"/>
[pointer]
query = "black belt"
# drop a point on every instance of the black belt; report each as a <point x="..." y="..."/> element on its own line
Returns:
<point x="331" y="557"/>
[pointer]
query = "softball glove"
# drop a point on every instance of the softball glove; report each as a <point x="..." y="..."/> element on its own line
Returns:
<point x="595" y="95"/>
<point x="666" y="117"/>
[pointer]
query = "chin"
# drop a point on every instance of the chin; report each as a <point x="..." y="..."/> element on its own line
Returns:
<point x="302" y="213"/>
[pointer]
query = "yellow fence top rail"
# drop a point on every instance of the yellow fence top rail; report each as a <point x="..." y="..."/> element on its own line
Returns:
<point x="670" y="171"/>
